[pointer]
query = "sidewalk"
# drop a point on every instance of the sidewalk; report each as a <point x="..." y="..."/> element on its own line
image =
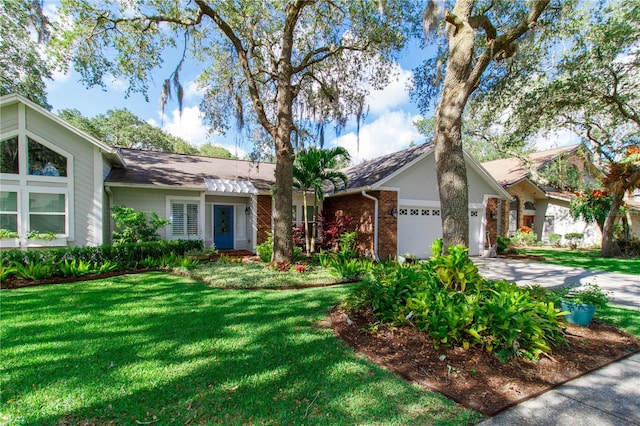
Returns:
<point x="608" y="396"/>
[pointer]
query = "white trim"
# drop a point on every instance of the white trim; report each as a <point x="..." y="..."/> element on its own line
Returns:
<point x="98" y="199"/>
<point x="169" y="199"/>
<point x="419" y="203"/>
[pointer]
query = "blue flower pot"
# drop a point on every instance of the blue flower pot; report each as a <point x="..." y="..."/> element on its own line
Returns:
<point x="579" y="313"/>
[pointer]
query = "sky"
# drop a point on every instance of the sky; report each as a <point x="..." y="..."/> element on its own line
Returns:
<point x="387" y="128"/>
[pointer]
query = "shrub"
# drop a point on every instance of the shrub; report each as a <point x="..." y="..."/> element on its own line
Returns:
<point x="590" y="294"/>
<point x="349" y="269"/>
<point x="630" y="248"/>
<point x="265" y="250"/>
<point x="524" y="236"/>
<point x="574" y="239"/>
<point x="5" y="233"/>
<point x="503" y="243"/>
<point x="554" y="239"/>
<point x="135" y="226"/>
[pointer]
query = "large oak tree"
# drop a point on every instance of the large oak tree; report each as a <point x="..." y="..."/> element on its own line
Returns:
<point x="478" y="43"/>
<point x="287" y="67"/>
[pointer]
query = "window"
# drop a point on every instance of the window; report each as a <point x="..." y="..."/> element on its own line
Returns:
<point x="528" y="205"/>
<point x="474" y="213"/>
<point x="414" y="212"/>
<point x="240" y="222"/>
<point x="44" y="161"/>
<point x="435" y="212"/>
<point x="403" y="212"/>
<point x="9" y="211"/>
<point x="47" y="213"/>
<point x="9" y="156"/>
<point x="424" y="212"/>
<point x="184" y="219"/>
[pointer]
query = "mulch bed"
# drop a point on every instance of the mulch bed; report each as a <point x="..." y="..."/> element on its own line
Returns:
<point x="473" y="377"/>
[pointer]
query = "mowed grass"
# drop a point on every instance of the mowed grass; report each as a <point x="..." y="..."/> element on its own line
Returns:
<point x="257" y="275"/>
<point x="589" y="259"/>
<point x="159" y="349"/>
<point x="623" y="318"/>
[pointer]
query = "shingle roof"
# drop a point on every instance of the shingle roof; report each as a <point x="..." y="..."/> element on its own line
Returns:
<point x="179" y="170"/>
<point x="373" y="171"/>
<point x="508" y="171"/>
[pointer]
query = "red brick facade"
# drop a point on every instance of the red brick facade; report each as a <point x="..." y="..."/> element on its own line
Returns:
<point x="264" y="218"/>
<point x="361" y="210"/>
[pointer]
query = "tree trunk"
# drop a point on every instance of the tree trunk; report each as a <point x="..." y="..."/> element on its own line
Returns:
<point x="283" y="199"/>
<point x="450" y="166"/>
<point x="609" y="245"/>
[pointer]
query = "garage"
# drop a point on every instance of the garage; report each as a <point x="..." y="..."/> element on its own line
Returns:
<point x="418" y="226"/>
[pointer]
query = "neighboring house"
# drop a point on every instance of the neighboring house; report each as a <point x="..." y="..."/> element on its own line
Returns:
<point x="58" y="179"/>
<point x="537" y="205"/>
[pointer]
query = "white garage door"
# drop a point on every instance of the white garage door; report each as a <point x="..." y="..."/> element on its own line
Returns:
<point x="419" y="226"/>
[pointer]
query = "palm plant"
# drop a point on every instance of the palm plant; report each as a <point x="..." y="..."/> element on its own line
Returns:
<point x="312" y="167"/>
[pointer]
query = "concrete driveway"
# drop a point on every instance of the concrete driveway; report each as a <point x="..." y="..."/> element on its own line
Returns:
<point x="624" y="288"/>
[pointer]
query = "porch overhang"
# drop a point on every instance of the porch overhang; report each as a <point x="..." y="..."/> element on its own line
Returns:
<point x="230" y="186"/>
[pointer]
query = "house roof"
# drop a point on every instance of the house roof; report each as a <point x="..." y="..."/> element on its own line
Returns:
<point x="508" y="171"/>
<point x="186" y="171"/>
<point x="373" y="171"/>
<point x="107" y="150"/>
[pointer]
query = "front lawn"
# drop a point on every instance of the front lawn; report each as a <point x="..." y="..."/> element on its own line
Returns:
<point x="159" y="349"/>
<point x="588" y="259"/>
<point x="257" y="275"/>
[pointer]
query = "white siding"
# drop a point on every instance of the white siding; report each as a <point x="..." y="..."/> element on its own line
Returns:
<point x="9" y="119"/>
<point x="420" y="182"/>
<point x="44" y="131"/>
<point x="564" y="224"/>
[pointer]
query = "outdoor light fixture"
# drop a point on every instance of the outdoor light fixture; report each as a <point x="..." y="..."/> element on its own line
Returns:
<point x="394" y="212"/>
<point x="247" y="210"/>
<point x="493" y="215"/>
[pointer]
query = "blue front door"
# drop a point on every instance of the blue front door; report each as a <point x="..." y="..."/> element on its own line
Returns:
<point x="223" y="227"/>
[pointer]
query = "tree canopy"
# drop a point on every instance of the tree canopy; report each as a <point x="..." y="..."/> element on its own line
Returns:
<point x="122" y="128"/>
<point x="24" y="68"/>
<point x="282" y="68"/>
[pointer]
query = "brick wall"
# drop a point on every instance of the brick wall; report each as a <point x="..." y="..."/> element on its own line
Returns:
<point x="361" y="211"/>
<point x="491" y="225"/>
<point x="264" y="218"/>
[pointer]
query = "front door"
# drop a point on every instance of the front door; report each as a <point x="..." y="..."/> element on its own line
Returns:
<point x="223" y="227"/>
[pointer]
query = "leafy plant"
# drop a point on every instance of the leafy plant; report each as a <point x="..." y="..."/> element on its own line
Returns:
<point x="136" y="226"/>
<point x="349" y="269"/>
<point x="265" y="250"/>
<point x="35" y="235"/>
<point x="554" y="239"/>
<point x="589" y="294"/>
<point x="33" y="270"/>
<point x="524" y="236"/>
<point x="5" y="233"/>
<point x="503" y="244"/>
<point x="574" y="239"/>
<point x="456" y="271"/>
<point x="75" y="268"/>
<point x="347" y="247"/>
<point x="436" y="247"/>
<point x="7" y="271"/>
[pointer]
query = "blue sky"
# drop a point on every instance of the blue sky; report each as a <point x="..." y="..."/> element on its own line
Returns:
<point x="387" y="128"/>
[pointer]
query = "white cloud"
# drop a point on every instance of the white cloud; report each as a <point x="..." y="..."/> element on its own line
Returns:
<point x="116" y="84"/>
<point x="191" y="128"/>
<point x="391" y="132"/>
<point x="394" y="95"/>
<point x="192" y="90"/>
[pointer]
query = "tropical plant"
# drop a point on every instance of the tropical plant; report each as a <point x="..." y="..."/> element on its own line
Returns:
<point x="311" y="168"/>
<point x="265" y="249"/>
<point x="456" y="271"/>
<point x="35" y="235"/>
<point x="136" y="226"/>
<point x="33" y="270"/>
<point x="588" y="294"/>
<point x="5" y="233"/>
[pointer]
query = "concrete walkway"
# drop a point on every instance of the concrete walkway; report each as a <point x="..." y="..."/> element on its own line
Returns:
<point x="624" y="288"/>
<point x="608" y="396"/>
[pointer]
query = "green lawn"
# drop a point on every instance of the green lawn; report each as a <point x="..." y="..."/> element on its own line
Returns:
<point x="589" y="259"/>
<point x="167" y="350"/>
<point x="252" y="275"/>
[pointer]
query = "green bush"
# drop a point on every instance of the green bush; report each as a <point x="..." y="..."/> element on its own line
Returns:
<point x="135" y="226"/>
<point x="446" y="298"/>
<point x="524" y="237"/>
<point x="503" y="243"/>
<point x="41" y="264"/>
<point x="554" y="239"/>
<point x="574" y="239"/>
<point x="265" y="250"/>
<point x="349" y="269"/>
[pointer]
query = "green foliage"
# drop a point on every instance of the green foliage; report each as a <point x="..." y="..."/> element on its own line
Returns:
<point x="524" y="237"/>
<point x="265" y="250"/>
<point x="134" y="226"/>
<point x="456" y="271"/>
<point x="554" y="239"/>
<point x="574" y="239"/>
<point x="446" y="298"/>
<point x="349" y="269"/>
<point x="347" y="247"/>
<point x="593" y="206"/>
<point x="7" y="271"/>
<point x="35" y="235"/>
<point x="33" y="271"/>
<point x="5" y="233"/>
<point x="75" y="268"/>
<point x="502" y="244"/>
<point x="589" y="294"/>
<point x="436" y="247"/>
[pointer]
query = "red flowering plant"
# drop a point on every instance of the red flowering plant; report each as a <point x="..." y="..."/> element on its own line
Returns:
<point x="332" y="231"/>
